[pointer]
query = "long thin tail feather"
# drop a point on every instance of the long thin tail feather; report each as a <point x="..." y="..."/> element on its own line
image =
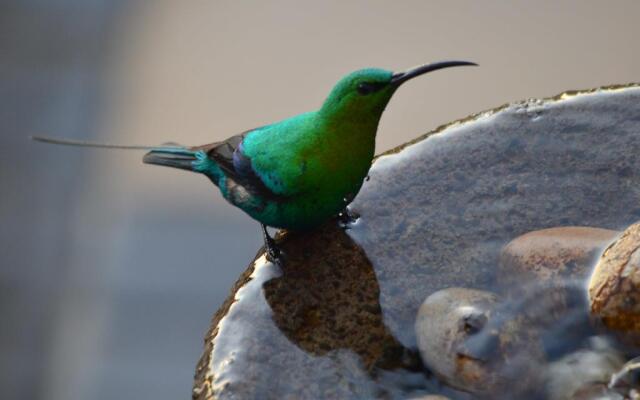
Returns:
<point x="169" y="154"/>
<point x="80" y="143"/>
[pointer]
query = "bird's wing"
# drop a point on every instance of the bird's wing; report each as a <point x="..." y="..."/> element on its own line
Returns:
<point x="222" y="153"/>
<point x="229" y="156"/>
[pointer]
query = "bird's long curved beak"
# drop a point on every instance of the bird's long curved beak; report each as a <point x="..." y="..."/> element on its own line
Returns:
<point x="401" y="77"/>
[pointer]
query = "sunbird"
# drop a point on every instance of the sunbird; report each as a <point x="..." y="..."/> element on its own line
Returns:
<point x="299" y="172"/>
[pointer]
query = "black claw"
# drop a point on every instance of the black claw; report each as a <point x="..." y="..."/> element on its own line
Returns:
<point x="273" y="255"/>
<point x="270" y="246"/>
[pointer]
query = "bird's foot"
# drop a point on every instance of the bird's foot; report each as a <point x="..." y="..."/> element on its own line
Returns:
<point x="271" y="248"/>
<point x="347" y="217"/>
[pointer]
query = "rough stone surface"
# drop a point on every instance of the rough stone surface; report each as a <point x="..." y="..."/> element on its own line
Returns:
<point x="614" y="289"/>
<point x="553" y="254"/>
<point x="435" y="214"/>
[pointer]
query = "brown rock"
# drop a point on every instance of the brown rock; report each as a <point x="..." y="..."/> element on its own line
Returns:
<point x="614" y="289"/>
<point x="549" y="254"/>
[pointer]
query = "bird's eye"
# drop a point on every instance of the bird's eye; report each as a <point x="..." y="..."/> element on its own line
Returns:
<point x="365" y="88"/>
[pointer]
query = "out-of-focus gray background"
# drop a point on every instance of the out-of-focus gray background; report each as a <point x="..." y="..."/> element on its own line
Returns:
<point x="111" y="270"/>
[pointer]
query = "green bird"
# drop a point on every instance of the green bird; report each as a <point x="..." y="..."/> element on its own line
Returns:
<point x="299" y="172"/>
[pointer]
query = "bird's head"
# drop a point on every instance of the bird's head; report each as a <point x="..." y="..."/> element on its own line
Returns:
<point x="364" y="94"/>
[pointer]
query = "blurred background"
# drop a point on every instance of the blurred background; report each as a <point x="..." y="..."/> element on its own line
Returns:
<point x="110" y="270"/>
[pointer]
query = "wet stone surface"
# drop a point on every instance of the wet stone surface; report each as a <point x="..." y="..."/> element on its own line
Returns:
<point x="614" y="287"/>
<point x="336" y="319"/>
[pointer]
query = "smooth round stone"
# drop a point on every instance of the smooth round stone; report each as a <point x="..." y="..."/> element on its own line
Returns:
<point x="457" y="346"/>
<point x="582" y="368"/>
<point x="552" y="254"/>
<point x="445" y="320"/>
<point x="614" y="289"/>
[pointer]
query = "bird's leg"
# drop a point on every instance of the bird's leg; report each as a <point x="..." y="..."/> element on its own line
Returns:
<point x="347" y="217"/>
<point x="273" y="252"/>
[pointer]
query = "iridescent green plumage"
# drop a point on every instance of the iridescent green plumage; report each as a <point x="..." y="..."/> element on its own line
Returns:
<point x="313" y="163"/>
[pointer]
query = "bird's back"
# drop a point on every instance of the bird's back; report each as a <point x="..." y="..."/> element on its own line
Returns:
<point x="310" y="166"/>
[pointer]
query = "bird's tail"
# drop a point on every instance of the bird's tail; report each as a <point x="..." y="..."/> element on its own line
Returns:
<point x="169" y="154"/>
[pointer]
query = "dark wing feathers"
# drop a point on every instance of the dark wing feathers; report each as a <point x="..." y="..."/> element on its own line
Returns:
<point x="222" y="153"/>
<point x="237" y="166"/>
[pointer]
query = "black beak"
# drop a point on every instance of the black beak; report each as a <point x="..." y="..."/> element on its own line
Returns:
<point x="399" y="78"/>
